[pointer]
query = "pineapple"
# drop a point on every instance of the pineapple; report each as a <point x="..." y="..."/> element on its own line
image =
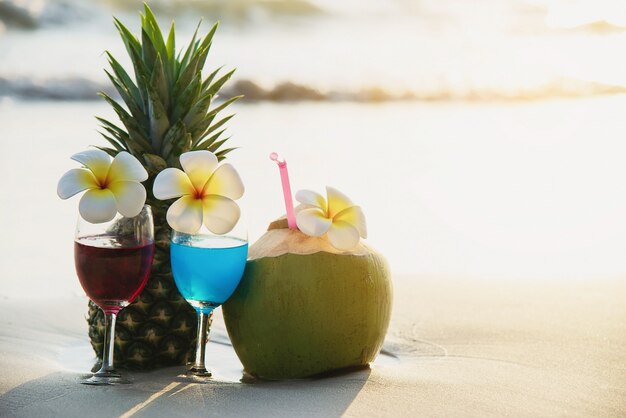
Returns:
<point x="166" y="111"/>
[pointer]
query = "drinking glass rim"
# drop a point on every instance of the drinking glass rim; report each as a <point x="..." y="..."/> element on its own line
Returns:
<point x="85" y="229"/>
<point x="146" y="207"/>
<point x="205" y="233"/>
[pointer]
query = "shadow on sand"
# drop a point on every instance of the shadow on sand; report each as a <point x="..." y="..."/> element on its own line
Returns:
<point x="160" y="393"/>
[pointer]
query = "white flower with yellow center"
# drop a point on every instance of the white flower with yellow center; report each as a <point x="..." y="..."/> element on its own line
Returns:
<point x="112" y="184"/>
<point x="342" y="221"/>
<point x="206" y="192"/>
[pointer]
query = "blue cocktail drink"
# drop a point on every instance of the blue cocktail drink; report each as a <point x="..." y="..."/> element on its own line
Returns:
<point x="207" y="269"/>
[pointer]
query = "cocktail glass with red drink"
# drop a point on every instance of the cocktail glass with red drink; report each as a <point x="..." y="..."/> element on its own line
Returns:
<point x="113" y="261"/>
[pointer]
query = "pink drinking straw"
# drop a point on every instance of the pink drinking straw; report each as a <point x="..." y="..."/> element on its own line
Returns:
<point x="284" y="178"/>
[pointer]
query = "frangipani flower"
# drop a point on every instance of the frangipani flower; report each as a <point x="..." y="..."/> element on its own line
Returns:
<point x="206" y="193"/>
<point x="112" y="184"/>
<point x="342" y="221"/>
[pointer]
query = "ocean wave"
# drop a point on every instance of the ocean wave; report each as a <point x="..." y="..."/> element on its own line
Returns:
<point x="230" y="8"/>
<point x="82" y="89"/>
<point x="61" y="89"/>
<point x="289" y="91"/>
<point x="32" y="14"/>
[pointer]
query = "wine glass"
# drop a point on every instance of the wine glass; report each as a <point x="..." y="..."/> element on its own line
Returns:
<point x="207" y="269"/>
<point x="113" y="261"/>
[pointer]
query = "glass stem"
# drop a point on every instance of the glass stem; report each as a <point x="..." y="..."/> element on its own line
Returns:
<point x="109" y="343"/>
<point x="203" y="325"/>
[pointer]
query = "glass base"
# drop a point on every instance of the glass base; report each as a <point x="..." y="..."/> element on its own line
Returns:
<point x="106" y="379"/>
<point x="199" y="372"/>
<point x="195" y="375"/>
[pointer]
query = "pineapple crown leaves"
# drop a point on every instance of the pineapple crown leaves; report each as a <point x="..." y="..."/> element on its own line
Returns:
<point x="167" y="104"/>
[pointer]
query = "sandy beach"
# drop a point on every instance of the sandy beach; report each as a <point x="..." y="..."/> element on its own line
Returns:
<point x="455" y="348"/>
<point x="545" y="339"/>
<point x="485" y="146"/>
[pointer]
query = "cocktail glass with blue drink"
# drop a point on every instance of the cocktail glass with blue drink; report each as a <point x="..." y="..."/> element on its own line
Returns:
<point x="207" y="269"/>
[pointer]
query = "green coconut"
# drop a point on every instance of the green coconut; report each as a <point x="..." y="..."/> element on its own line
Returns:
<point x="304" y="308"/>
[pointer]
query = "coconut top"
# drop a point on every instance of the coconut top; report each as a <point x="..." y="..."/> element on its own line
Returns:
<point x="279" y="240"/>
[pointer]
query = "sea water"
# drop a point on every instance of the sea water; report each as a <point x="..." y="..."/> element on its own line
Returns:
<point x="431" y="50"/>
<point x="207" y="269"/>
